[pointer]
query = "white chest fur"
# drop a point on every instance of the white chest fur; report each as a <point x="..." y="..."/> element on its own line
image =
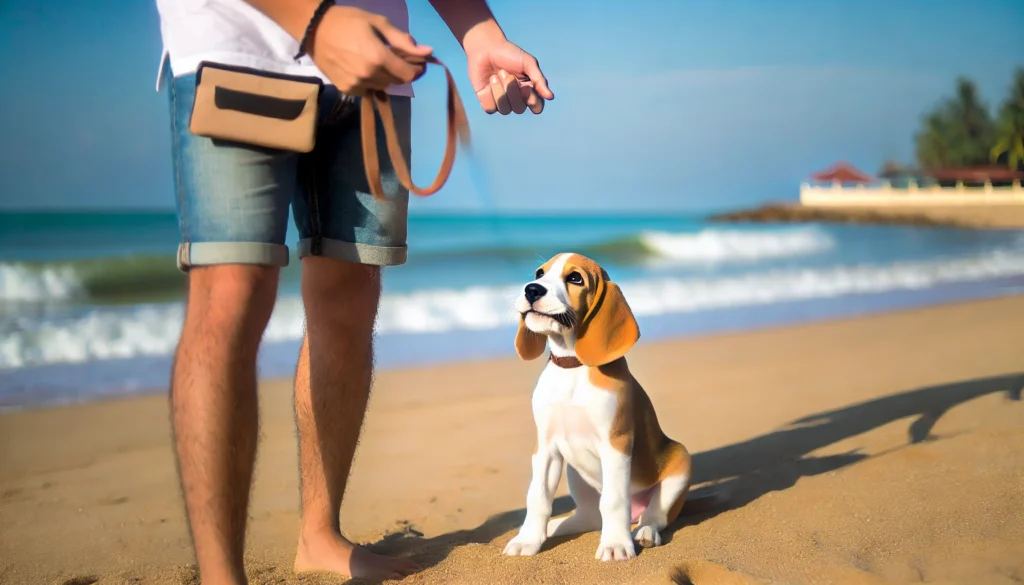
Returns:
<point x="574" y="418"/>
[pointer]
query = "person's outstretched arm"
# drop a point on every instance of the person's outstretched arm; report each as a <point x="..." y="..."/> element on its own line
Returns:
<point x="496" y="65"/>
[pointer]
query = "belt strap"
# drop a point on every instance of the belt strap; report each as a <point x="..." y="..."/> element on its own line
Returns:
<point x="458" y="127"/>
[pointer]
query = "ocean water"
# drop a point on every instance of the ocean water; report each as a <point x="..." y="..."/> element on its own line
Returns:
<point x="91" y="303"/>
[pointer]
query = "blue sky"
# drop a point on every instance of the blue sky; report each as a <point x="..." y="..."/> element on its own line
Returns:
<point x="660" y="105"/>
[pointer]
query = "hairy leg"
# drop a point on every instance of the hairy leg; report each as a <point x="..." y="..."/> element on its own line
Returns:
<point x="214" y="409"/>
<point x="332" y="388"/>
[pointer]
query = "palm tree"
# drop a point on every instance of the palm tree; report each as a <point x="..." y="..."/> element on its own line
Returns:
<point x="934" y="143"/>
<point x="1010" y="125"/>
<point x="972" y="124"/>
<point x="959" y="132"/>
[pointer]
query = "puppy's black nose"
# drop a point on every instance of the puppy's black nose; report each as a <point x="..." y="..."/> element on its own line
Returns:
<point x="534" y="291"/>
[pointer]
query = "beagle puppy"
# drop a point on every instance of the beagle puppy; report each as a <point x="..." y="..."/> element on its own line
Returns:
<point x="591" y="414"/>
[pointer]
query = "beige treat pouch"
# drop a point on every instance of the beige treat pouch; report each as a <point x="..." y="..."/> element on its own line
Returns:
<point x="256" y="107"/>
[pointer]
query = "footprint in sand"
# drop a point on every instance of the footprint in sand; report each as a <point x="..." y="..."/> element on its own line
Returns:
<point x="10" y="494"/>
<point x="705" y="573"/>
<point x="477" y="471"/>
<point x="112" y="500"/>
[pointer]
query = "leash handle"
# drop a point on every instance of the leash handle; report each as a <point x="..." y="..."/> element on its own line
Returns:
<point x="458" y="129"/>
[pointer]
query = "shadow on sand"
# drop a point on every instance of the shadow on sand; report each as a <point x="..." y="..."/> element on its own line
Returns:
<point x="743" y="472"/>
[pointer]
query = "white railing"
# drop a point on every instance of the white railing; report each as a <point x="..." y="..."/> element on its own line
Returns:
<point x="884" y="194"/>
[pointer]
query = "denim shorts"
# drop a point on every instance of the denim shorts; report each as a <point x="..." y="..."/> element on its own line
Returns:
<point x="233" y="199"/>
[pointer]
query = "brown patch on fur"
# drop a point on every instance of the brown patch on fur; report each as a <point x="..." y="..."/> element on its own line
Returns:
<point x="635" y="429"/>
<point x="615" y="377"/>
<point x="606" y="329"/>
<point x="581" y="296"/>
<point x="529" y="345"/>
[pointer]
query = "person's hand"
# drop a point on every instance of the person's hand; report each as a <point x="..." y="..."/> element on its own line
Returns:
<point x="506" y="78"/>
<point x="360" y="51"/>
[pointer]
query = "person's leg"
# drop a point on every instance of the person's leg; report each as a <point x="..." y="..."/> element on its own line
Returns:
<point x="214" y="409"/>
<point x="346" y="237"/>
<point x="233" y="212"/>
<point x="332" y="387"/>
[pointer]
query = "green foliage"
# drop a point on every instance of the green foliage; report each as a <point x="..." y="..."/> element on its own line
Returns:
<point x="959" y="132"/>
<point x="1009" y="132"/>
<point x="934" y="142"/>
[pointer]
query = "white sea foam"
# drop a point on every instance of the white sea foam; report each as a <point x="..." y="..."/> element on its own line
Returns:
<point x="153" y="330"/>
<point x="713" y="246"/>
<point x="20" y="283"/>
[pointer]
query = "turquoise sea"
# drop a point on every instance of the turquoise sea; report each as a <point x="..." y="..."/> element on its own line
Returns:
<point x="90" y="303"/>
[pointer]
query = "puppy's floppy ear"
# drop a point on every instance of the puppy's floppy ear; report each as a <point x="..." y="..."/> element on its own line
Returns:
<point x="529" y="345"/>
<point x="609" y="329"/>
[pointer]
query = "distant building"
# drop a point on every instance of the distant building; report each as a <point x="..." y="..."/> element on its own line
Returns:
<point x="843" y="184"/>
<point x="997" y="176"/>
<point x="901" y="177"/>
<point x="843" y="173"/>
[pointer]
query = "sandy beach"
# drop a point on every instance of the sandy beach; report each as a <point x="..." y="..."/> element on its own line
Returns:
<point x="981" y="216"/>
<point x="881" y="449"/>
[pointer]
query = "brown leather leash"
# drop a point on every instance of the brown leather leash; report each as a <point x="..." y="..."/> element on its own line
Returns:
<point x="458" y="128"/>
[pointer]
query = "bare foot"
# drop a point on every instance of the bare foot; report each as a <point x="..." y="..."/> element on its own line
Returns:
<point x="332" y="553"/>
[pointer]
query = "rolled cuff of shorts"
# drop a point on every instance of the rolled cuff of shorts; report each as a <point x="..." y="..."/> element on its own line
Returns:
<point x="355" y="252"/>
<point x="209" y="253"/>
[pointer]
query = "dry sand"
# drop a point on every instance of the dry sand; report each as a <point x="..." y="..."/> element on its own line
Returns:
<point x="885" y="449"/>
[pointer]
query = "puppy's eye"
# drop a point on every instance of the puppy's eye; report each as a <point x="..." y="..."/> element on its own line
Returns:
<point x="574" y="278"/>
<point x="540" y="273"/>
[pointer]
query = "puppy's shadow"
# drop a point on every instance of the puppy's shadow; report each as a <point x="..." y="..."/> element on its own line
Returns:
<point x="745" y="471"/>
<point x="737" y="474"/>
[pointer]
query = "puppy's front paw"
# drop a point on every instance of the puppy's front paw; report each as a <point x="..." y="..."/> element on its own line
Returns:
<point x="522" y="547"/>
<point x="615" y="550"/>
<point x="647" y="536"/>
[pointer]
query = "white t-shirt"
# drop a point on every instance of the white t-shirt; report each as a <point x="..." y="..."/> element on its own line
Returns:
<point x="233" y="32"/>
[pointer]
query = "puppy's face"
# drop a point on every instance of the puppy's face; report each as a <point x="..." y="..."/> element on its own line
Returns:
<point x="572" y="297"/>
<point x="552" y="302"/>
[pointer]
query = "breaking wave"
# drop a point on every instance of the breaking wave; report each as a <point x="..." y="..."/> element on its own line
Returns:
<point x="150" y="277"/>
<point x="715" y="246"/>
<point x="111" y="332"/>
